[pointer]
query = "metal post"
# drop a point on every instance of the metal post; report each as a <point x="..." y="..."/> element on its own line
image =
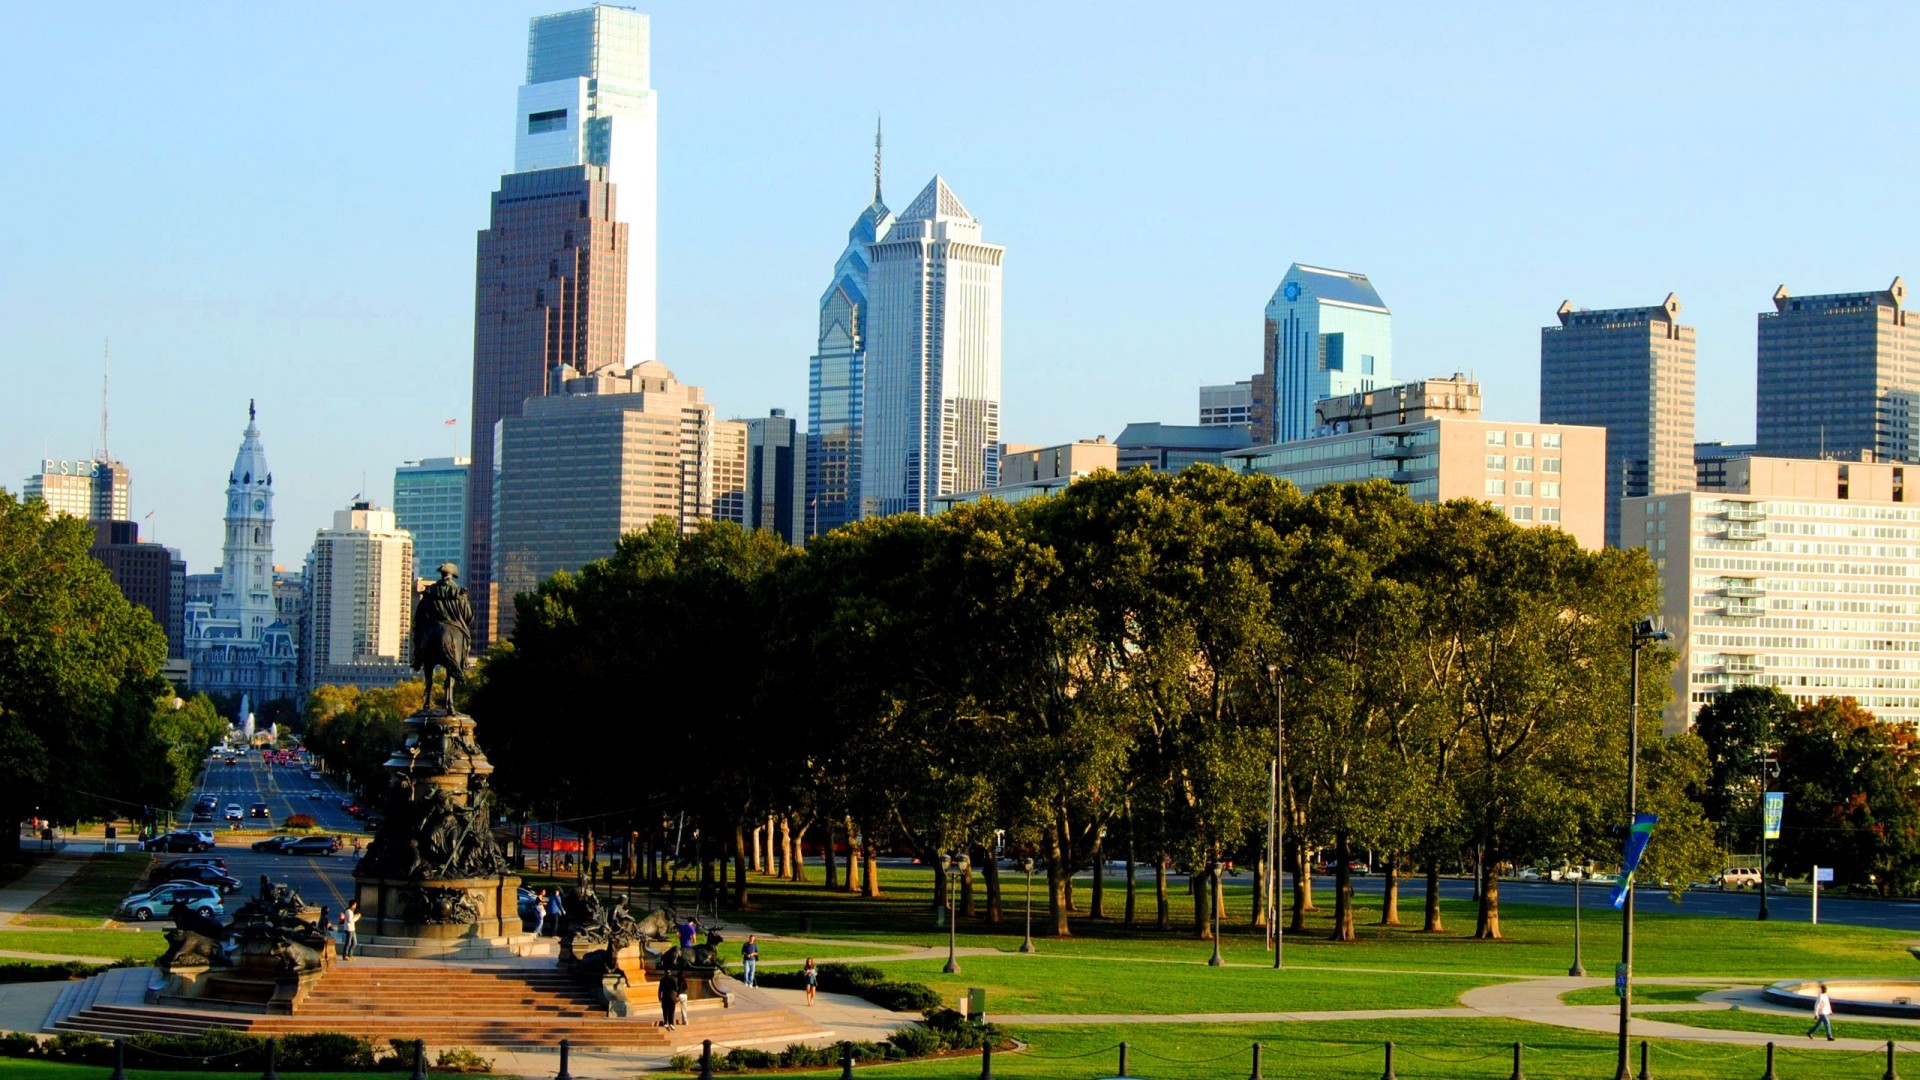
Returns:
<point x="1388" y="1075"/>
<point x="1641" y="635"/>
<point x="1766" y="735"/>
<point x="1278" y="824"/>
<point x="1644" y="1074"/>
<point x="846" y="1061"/>
<point x="120" y="1059"/>
<point x="1123" y="1059"/>
<point x="271" y="1073"/>
<point x="986" y="1061"/>
<point x="1214" y="897"/>
<point x="706" y="1059"/>
<point x="957" y="865"/>
<point x="1517" y="1074"/>
<point x="1026" y="864"/>
<point x="419" y="1060"/>
<point x="1891" y="1075"/>
<point x="1769" y="1074"/>
<point x="1256" y="1063"/>
<point x="1578" y="970"/>
<point x="566" y="1047"/>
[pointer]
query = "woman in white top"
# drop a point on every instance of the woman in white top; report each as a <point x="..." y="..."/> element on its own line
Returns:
<point x="1822" y="1014"/>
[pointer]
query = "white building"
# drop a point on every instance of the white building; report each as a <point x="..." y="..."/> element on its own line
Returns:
<point x="932" y="394"/>
<point x="587" y="102"/>
<point x="1227" y="404"/>
<point x="360" y="580"/>
<point x="1799" y="574"/>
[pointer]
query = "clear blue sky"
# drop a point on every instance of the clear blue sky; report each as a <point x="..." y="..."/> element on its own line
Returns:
<point x="280" y="201"/>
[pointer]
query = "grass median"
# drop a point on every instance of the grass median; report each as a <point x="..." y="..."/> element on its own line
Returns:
<point x="87" y="898"/>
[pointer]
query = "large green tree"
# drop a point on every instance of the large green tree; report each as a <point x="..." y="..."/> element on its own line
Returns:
<point x="1851" y="800"/>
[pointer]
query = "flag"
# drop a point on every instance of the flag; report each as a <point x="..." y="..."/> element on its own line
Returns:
<point x="450" y="423"/>
<point x="1637" y="838"/>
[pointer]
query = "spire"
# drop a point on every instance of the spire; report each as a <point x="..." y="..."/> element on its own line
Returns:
<point x="250" y="416"/>
<point x="876" y="157"/>
<point x="106" y="355"/>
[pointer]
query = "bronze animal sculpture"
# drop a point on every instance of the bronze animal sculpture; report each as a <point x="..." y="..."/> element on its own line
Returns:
<point x="442" y="633"/>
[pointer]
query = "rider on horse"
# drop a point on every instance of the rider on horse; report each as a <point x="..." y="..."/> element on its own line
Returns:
<point x="442" y="631"/>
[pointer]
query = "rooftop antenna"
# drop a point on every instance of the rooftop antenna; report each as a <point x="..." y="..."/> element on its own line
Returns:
<point x="876" y="157"/>
<point x="106" y="355"/>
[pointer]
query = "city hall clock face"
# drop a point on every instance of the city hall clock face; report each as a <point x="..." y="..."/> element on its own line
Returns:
<point x="259" y="505"/>
<point x="233" y="504"/>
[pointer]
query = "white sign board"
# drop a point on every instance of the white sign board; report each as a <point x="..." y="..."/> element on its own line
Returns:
<point x="1823" y="874"/>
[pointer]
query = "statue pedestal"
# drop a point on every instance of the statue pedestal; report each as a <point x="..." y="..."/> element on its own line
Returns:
<point x="439" y="909"/>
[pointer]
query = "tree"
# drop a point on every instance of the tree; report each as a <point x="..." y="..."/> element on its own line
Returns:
<point x="1850" y="798"/>
<point x="1733" y="728"/>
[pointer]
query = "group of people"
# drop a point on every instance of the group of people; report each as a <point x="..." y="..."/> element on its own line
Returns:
<point x="547" y="911"/>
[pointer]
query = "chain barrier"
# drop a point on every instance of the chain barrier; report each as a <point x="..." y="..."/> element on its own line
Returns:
<point x="1070" y="1057"/>
<point x="1189" y="1061"/>
<point x="1369" y="1048"/>
<point x="1504" y="1051"/>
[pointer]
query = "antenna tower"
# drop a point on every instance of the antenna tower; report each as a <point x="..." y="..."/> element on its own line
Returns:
<point x="106" y="355"/>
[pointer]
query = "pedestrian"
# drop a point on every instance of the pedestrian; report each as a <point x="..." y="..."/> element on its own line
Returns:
<point x="681" y="1001"/>
<point x="555" y="909"/>
<point x="356" y="849"/>
<point x="687" y="931"/>
<point x="810" y="978"/>
<point x="750" y="959"/>
<point x="1822" y="1014"/>
<point x="350" y="922"/>
<point x="540" y="913"/>
<point x="669" y="998"/>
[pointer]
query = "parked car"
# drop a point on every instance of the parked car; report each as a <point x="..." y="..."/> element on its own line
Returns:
<point x="233" y="812"/>
<point x="1528" y="873"/>
<point x="529" y="909"/>
<point x="205" y="875"/>
<point x="260" y="810"/>
<point x="273" y="845"/>
<point x="1737" y="877"/>
<point x="312" y="845"/>
<point x="160" y="899"/>
<point x="158" y="874"/>
<point x="179" y="840"/>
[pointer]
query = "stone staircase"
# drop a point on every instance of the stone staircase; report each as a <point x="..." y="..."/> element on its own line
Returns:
<point x="506" y="1007"/>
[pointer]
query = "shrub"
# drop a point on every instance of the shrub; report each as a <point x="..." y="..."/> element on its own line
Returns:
<point x="18" y="1044"/>
<point x="298" y="821"/>
<point x="324" y="1051"/>
<point x="219" y="1048"/>
<point x="78" y="1048"/>
<point x="915" y="1041"/>
<point x="902" y="996"/>
<point x="462" y="1060"/>
<point x="682" y="1063"/>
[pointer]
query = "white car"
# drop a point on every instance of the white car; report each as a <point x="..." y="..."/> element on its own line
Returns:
<point x="234" y="813"/>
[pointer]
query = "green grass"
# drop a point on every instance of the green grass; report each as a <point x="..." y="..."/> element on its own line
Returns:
<point x="90" y="895"/>
<point x="111" y="944"/>
<point x="1643" y="994"/>
<point x="1794" y="1026"/>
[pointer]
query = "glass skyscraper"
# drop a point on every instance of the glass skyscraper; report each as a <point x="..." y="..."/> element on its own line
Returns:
<point x="932" y="401"/>
<point x="430" y="501"/>
<point x="1839" y="374"/>
<point x="1328" y="333"/>
<point x="835" y="378"/>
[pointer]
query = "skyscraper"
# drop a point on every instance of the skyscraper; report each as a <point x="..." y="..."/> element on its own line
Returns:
<point x="95" y="490"/>
<point x="1327" y="333"/>
<point x="730" y="471"/>
<point x="360" y="581"/>
<point x="774" y="498"/>
<point x="587" y="102"/>
<point x="1629" y="370"/>
<point x="931" y="408"/>
<point x="1839" y="374"/>
<point x="836" y="375"/>
<point x="430" y="502"/>
<point x="150" y="575"/>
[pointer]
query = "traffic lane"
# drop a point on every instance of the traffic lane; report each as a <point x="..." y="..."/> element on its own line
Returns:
<point x="1844" y="911"/>
<point x="285" y="789"/>
<point x="321" y="880"/>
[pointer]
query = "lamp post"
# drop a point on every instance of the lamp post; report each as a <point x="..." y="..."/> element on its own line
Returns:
<point x="1644" y="634"/>
<point x="1213" y="897"/>
<point x="1026" y="867"/>
<point x="1766" y="768"/>
<point x="1578" y="970"/>
<point x="1275" y="828"/>
<point x="946" y="863"/>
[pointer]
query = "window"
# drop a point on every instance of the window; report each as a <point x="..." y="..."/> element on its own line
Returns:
<point x="1523" y="438"/>
<point x="1549" y="464"/>
<point x="1522" y="513"/>
<point x="1550" y="489"/>
<point x="1496" y="461"/>
<point x="542" y="122"/>
<point x="1496" y="487"/>
<point x="1496" y="438"/>
<point x="1523" y="489"/>
<point x="1550" y="440"/>
<point x="1549" y="513"/>
<point x="1523" y="464"/>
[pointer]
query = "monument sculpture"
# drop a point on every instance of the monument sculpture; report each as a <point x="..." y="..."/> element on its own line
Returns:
<point x="266" y="960"/>
<point x="433" y="878"/>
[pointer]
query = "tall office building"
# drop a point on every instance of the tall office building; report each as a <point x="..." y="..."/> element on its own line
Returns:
<point x="1839" y="377"/>
<point x="836" y="375"/>
<point x="95" y="489"/>
<point x="730" y="471"/>
<point x="599" y="457"/>
<point x="932" y="397"/>
<point x="1327" y="333"/>
<point x="1226" y="404"/>
<point x="239" y="644"/>
<point x="587" y="102"/>
<point x="774" y="491"/>
<point x="430" y="502"/>
<point x="359" y="584"/>
<point x="1629" y="370"/>
<point x="149" y="575"/>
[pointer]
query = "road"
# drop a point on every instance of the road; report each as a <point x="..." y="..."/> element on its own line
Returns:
<point x="286" y="789"/>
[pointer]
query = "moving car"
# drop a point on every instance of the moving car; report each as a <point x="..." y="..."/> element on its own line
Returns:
<point x="312" y="845"/>
<point x="273" y="845"/>
<point x="1737" y="877"/>
<point x="160" y="899"/>
<point x="205" y="875"/>
<point x="179" y="840"/>
<point x="316" y="794"/>
<point x="260" y="810"/>
<point x="233" y="812"/>
<point x="204" y="813"/>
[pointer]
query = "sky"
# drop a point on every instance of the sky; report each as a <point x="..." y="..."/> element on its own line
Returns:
<point x="280" y="202"/>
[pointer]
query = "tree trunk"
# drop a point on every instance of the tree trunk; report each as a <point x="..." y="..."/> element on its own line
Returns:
<point x="1432" y="923"/>
<point x="1302" y="887"/>
<point x="1390" y="892"/>
<point x="990" y="870"/>
<point x="1487" y="928"/>
<point x="1163" y="919"/>
<point x="740" y="901"/>
<point x="759" y="864"/>
<point x="1343" y="889"/>
<point x="830" y="864"/>
<point x="1132" y="883"/>
<point x="1202" y="902"/>
<point x="966" y="890"/>
<point x="853" y="857"/>
<point x="870" y="879"/>
<point x="773" y="833"/>
<point x="799" y="863"/>
<point x="786" y="848"/>
<point x="941" y="897"/>
<point x="1099" y="877"/>
<point x="1259" y="892"/>
<point x="1058" y="875"/>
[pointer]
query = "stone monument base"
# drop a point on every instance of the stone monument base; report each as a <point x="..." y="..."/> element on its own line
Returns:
<point x="439" y="913"/>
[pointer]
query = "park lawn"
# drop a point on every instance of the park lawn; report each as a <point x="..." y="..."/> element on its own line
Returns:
<point x="1643" y="994"/>
<point x="111" y="944"/>
<point x="90" y="895"/>
<point x="1846" y="1027"/>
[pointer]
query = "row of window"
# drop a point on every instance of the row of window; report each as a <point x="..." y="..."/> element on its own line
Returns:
<point x="1548" y="439"/>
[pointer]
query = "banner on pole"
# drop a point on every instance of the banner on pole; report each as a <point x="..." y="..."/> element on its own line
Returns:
<point x="1775" y="808"/>
<point x="1636" y="847"/>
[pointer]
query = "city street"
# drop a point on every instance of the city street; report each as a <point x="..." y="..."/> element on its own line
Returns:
<point x="322" y="879"/>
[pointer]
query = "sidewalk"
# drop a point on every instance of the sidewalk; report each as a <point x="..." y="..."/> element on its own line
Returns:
<point x="36" y="883"/>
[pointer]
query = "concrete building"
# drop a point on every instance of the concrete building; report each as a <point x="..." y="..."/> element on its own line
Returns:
<point x="1327" y="334"/>
<point x="1227" y="404"/>
<point x="601" y="456"/>
<point x="359" y="586"/>
<point x="1838" y="375"/>
<point x="588" y="101"/>
<point x="931" y="410"/>
<point x="1173" y="447"/>
<point x="1629" y="370"/>
<point x="836" y="375"/>
<point x="149" y="575"/>
<point x="1710" y="461"/>
<point x="1536" y="474"/>
<point x="1457" y="397"/>
<point x="1027" y="471"/>
<point x="1799" y="574"/>
<point x="93" y="490"/>
<point x="239" y="644"/>
<point x="430" y="502"/>
<point x="730" y="471"/>
<point x="776" y="495"/>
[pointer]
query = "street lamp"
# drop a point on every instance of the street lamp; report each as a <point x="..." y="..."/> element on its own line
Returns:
<point x="1766" y="769"/>
<point x="949" y="863"/>
<point x="1026" y="866"/>
<point x="1644" y="633"/>
<point x="1578" y="970"/>
<point x="1213" y="896"/>
<point x="1275" y="828"/>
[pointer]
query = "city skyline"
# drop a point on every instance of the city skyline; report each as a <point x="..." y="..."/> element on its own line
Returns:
<point x="1471" y="207"/>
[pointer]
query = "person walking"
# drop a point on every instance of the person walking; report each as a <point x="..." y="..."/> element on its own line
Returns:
<point x="555" y="909"/>
<point x="688" y="929"/>
<point x="540" y="913"/>
<point x="750" y="960"/>
<point x="669" y="998"/>
<point x="350" y="922"/>
<point x="810" y="978"/>
<point x="1822" y="1014"/>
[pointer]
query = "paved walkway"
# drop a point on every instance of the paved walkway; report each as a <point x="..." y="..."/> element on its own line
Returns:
<point x="36" y="883"/>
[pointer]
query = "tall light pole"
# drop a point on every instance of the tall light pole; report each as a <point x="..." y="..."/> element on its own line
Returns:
<point x="1214" y="895"/>
<point x="1275" y="828"/>
<point x="1766" y="766"/>
<point x="1578" y="970"/>
<point x="961" y="864"/>
<point x="1644" y="633"/>
<point x="1026" y="866"/>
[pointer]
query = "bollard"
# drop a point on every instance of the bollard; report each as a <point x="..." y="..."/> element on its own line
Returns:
<point x="706" y="1059"/>
<point x="566" y="1046"/>
<point x="120" y="1059"/>
<point x="1644" y="1074"/>
<point x="1517" y="1075"/>
<point x="846" y="1061"/>
<point x="1769" y="1074"/>
<point x="986" y="1061"/>
<point x="1891" y="1075"/>
<point x="1388" y="1075"/>
<point x="273" y="1052"/>
<point x="1256" y="1063"/>
<point x="419" y="1060"/>
<point x="1123" y="1059"/>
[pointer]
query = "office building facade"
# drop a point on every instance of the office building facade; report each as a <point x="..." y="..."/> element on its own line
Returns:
<point x="1173" y="447"/>
<point x="776" y="494"/>
<point x="730" y="471"/>
<point x="932" y="380"/>
<point x="1839" y="377"/>
<point x="149" y="575"/>
<point x="239" y="644"/>
<point x="1327" y="333"/>
<point x="93" y="490"/>
<point x="1226" y="404"/>
<point x="1629" y="370"/>
<point x="430" y="503"/>
<point x="359" y="585"/>
<point x="1799" y="574"/>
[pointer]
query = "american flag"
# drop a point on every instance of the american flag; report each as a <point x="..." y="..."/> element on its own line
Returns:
<point x="450" y="423"/>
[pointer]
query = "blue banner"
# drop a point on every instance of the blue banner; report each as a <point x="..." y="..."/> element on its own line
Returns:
<point x="1636" y="847"/>
<point x="1776" y="808"/>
